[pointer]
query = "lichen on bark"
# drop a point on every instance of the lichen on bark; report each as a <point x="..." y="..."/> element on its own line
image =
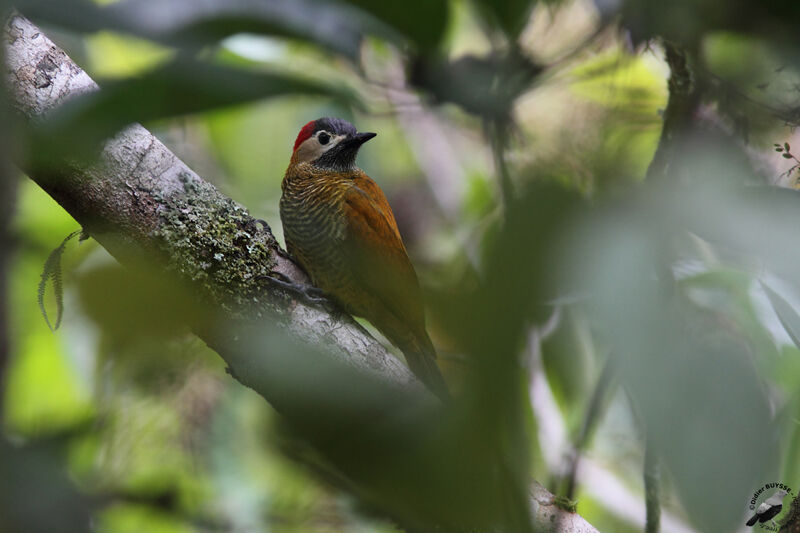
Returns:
<point x="210" y="240"/>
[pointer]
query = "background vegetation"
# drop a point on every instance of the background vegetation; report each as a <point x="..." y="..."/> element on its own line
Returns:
<point x="611" y="303"/>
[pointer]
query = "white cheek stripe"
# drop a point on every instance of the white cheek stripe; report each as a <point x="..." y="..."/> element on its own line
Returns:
<point x="311" y="149"/>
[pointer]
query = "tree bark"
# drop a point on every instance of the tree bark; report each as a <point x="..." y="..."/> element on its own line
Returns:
<point x="140" y="201"/>
<point x="684" y="97"/>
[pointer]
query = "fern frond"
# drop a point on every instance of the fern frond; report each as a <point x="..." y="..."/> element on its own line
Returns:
<point x="52" y="272"/>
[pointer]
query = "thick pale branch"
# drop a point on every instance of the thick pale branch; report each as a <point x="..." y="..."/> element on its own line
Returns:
<point x="140" y="201"/>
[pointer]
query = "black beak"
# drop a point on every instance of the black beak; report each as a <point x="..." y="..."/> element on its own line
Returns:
<point x="354" y="141"/>
<point x="343" y="155"/>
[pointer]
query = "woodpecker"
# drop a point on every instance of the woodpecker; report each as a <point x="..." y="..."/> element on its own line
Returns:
<point x="339" y="227"/>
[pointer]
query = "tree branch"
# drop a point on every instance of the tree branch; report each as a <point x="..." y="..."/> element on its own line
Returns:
<point x="139" y="201"/>
<point x="684" y="97"/>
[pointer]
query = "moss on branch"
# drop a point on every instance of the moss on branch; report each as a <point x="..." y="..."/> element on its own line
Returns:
<point x="212" y="241"/>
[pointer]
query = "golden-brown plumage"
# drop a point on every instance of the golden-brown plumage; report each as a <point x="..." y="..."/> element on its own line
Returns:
<point x="339" y="226"/>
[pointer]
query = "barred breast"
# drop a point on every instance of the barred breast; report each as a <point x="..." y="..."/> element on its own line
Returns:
<point x="314" y="227"/>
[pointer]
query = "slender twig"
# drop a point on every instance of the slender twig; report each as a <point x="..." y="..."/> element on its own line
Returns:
<point x="790" y="115"/>
<point x="652" y="487"/>
<point x="593" y="414"/>
<point x="786" y="152"/>
<point x="684" y="96"/>
<point x="498" y="136"/>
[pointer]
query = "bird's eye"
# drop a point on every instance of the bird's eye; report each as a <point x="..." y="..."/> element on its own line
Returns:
<point x="323" y="138"/>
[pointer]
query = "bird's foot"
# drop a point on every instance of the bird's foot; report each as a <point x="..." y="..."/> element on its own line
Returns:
<point x="252" y="226"/>
<point x="307" y="293"/>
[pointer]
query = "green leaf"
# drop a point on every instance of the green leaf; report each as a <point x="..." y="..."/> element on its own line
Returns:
<point x="510" y="16"/>
<point x="334" y="26"/>
<point x="691" y="381"/>
<point x="174" y="89"/>
<point x="487" y="85"/>
<point x="788" y="317"/>
<point x="422" y="21"/>
<point x="687" y="21"/>
<point x="426" y="466"/>
<point x="35" y="472"/>
<point x="787" y="415"/>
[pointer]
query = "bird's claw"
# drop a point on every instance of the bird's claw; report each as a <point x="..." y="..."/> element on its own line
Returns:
<point x="315" y="294"/>
<point x="308" y="293"/>
<point x="253" y="224"/>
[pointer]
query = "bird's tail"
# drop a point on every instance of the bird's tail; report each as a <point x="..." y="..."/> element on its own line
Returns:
<point x="421" y="357"/>
<point x="753" y="520"/>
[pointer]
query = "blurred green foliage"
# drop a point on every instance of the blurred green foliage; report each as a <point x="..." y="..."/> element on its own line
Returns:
<point x="682" y="293"/>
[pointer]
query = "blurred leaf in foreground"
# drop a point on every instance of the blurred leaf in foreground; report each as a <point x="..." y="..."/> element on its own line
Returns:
<point x="786" y="314"/>
<point x="687" y="21"/>
<point x="489" y="320"/>
<point x="423" y="21"/>
<point x="487" y="86"/>
<point x="36" y="496"/>
<point x="173" y="89"/>
<point x="185" y="23"/>
<point x="692" y="383"/>
<point x="511" y="15"/>
<point x="404" y="455"/>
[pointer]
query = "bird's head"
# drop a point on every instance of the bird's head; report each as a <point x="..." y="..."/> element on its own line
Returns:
<point x="329" y="143"/>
